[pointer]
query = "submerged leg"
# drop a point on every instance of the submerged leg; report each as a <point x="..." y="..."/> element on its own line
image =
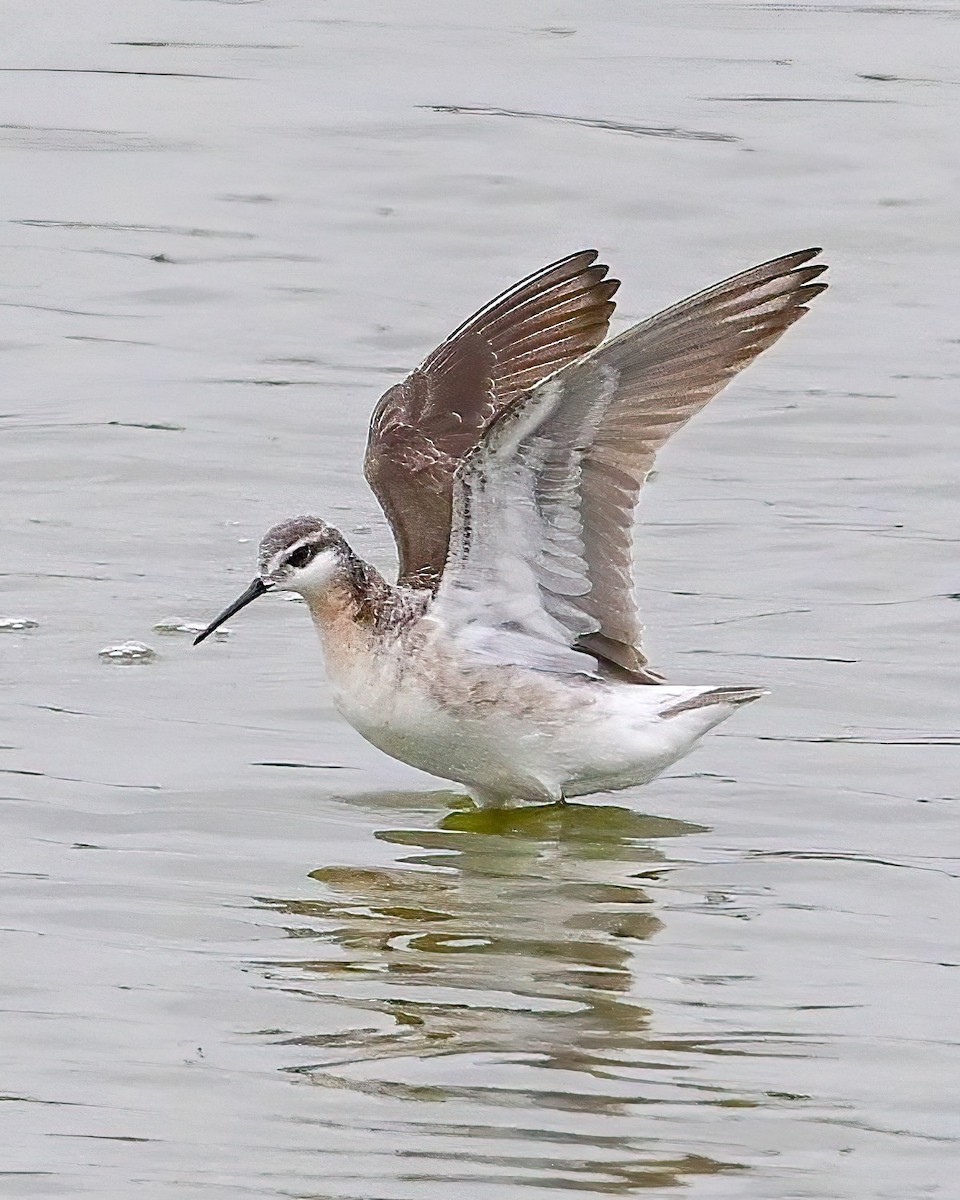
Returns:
<point x="537" y="793"/>
<point x="488" y="799"/>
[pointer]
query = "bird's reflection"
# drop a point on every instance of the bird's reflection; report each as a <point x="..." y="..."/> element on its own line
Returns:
<point x="492" y="965"/>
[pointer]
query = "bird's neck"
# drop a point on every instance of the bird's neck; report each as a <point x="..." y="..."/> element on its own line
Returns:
<point x="352" y="601"/>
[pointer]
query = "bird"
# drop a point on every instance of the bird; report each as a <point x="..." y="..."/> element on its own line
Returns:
<point x="508" y="657"/>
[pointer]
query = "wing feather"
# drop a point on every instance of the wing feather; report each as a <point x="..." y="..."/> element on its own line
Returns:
<point x="422" y="428"/>
<point x="540" y="565"/>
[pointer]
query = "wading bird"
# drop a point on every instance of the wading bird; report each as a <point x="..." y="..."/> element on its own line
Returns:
<point x="507" y="657"/>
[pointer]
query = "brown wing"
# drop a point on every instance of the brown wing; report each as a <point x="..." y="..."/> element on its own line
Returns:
<point x="540" y="569"/>
<point x="422" y="428"/>
<point x="666" y="370"/>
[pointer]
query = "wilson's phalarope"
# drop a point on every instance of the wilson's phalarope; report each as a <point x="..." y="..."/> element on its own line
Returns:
<point x="508" y="656"/>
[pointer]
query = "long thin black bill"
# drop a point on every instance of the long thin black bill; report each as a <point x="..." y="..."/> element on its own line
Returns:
<point x="257" y="588"/>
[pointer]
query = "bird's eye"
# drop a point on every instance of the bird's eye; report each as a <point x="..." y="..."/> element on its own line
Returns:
<point x="299" y="558"/>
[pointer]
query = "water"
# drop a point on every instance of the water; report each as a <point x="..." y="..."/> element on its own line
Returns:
<point x="244" y="954"/>
<point x="188" y="628"/>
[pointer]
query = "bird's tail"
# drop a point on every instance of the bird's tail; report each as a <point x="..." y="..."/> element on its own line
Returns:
<point x="719" y="695"/>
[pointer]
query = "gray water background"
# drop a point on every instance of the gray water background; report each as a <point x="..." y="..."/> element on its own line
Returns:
<point x="242" y="953"/>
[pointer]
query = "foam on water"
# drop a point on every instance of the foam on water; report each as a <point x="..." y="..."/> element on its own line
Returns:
<point x="127" y="653"/>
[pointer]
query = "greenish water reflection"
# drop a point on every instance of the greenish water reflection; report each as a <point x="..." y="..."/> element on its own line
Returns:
<point x="495" y="961"/>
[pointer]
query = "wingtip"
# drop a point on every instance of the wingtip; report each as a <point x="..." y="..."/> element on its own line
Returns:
<point x="799" y="257"/>
<point x="581" y="259"/>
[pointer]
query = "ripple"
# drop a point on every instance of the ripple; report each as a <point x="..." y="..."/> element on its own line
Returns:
<point x="56" y="137"/>
<point x="122" y="227"/>
<point x="602" y="123"/>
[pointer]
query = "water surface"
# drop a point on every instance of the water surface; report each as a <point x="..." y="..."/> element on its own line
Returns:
<point x="244" y="954"/>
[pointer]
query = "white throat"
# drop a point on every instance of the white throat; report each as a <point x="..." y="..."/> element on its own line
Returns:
<point x="316" y="577"/>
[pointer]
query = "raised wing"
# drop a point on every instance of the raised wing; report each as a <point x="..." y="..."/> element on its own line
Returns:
<point x="540" y="569"/>
<point x="422" y="428"/>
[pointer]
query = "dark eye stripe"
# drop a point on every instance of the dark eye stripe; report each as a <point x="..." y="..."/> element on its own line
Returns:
<point x="300" y="557"/>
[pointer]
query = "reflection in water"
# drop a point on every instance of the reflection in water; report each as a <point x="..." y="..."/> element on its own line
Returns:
<point x="495" y="963"/>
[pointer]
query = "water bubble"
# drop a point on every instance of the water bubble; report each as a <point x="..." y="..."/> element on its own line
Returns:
<point x="188" y="629"/>
<point x="127" y="653"/>
<point x="15" y="624"/>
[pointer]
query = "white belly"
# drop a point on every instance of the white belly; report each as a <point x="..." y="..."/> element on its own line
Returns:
<point x="510" y="735"/>
<point x="486" y="750"/>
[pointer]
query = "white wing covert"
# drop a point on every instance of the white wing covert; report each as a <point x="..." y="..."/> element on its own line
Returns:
<point x="539" y="570"/>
